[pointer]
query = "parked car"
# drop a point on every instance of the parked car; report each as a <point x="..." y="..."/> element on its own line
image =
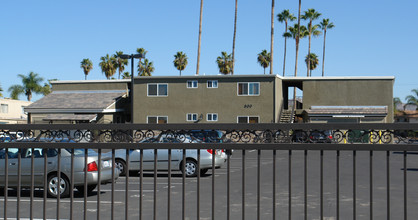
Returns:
<point x="312" y="137"/>
<point x="191" y="162"/>
<point x="210" y="136"/>
<point x="53" y="185"/>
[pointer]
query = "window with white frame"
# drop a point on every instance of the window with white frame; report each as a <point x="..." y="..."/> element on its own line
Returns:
<point x="157" y="119"/>
<point x="192" y="84"/>
<point x="191" y="117"/>
<point x="248" y="119"/>
<point x="249" y="88"/>
<point x="212" y="117"/>
<point x="4" y="108"/>
<point x="157" y="89"/>
<point x="212" y="83"/>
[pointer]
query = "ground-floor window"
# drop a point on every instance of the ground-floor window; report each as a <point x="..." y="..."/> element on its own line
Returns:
<point x="212" y="117"/>
<point x="248" y="119"/>
<point x="157" y="119"/>
<point x="191" y="117"/>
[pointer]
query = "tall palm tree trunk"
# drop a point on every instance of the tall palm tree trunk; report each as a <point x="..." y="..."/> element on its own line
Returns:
<point x="285" y="45"/>
<point x="296" y="62"/>
<point x="272" y="36"/>
<point x="233" y="41"/>
<point x="323" y="53"/>
<point x="200" y="37"/>
<point x="309" y="50"/>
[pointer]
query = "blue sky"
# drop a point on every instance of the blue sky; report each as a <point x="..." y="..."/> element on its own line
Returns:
<point x="370" y="38"/>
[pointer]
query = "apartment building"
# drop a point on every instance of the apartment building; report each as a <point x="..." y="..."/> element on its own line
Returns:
<point x="12" y="111"/>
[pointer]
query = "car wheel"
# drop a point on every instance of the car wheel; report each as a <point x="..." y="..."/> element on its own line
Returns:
<point x="190" y="168"/>
<point x="121" y="165"/>
<point x="203" y="171"/>
<point x="54" y="186"/>
<point x="90" y="189"/>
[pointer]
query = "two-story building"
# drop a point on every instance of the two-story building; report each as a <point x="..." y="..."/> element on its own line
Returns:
<point x="218" y="99"/>
<point x="12" y="111"/>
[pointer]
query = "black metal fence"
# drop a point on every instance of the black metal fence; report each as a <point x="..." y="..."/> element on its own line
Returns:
<point x="270" y="171"/>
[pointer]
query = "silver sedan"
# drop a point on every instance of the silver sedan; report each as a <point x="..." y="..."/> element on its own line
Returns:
<point x="191" y="164"/>
<point x="53" y="184"/>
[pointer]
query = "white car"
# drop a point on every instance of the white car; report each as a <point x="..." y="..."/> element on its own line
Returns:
<point x="191" y="164"/>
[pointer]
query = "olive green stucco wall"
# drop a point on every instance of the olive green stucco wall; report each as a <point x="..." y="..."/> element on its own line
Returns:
<point x="349" y="92"/>
<point x="90" y="85"/>
<point x="223" y="100"/>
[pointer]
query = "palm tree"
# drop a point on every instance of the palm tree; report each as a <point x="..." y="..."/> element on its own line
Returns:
<point x="285" y="16"/>
<point x="263" y="59"/>
<point x="297" y="47"/>
<point x="310" y="15"/>
<point x="1" y="90"/>
<point x="200" y="37"/>
<point x="412" y="99"/>
<point x="272" y="37"/>
<point x="143" y="52"/>
<point x="312" y="61"/>
<point x="396" y="101"/>
<point x="233" y="41"/>
<point x="126" y="75"/>
<point x="119" y="62"/>
<point x="325" y="25"/>
<point x="180" y="61"/>
<point x="224" y="63"/>
<point x="108" y="66"/>
<point x="87" y="65"/>
<point x="30" y="85"/>
<point x="146" y="68"/>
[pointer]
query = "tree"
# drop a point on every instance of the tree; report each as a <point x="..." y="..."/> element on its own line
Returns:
<point x="293" y="33"/>
<point x="119" y="62"/>
<point x="263" y="59"/>
<point x="180" y="61"/>
<point x="325" y="25"/>
<point x="285" y="16"/>
<point x="146" y="68"/>
<point x="108" y="66"/>
<point x="297" y="48"/>
<point x="271" y="37"/>
<point x="312" y="61"/>
<point x="310" y="15"/>
<point x="233" y="41"/>
<point x="126" y="75"/>
<point x="1" y="90"/>
<point x="31" y="84"/>
<point x="412" y="99"/>
<point x="224" y="63"/>
<point x="143" y="52"/>
<point x="396" y="101"/>
<point x="86" y="65"/>
<point x="200" y="37"/>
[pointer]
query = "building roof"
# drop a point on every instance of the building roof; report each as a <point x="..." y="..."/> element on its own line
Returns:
<point x="342" y="111"/>
<point x="70" y="117"/>
<point x="77" y="102"/>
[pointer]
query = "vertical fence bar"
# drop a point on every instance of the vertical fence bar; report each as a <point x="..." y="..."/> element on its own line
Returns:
<point x="371" y="185"/>
<point x="169" y="186"/>
<point x="6" y="181"/>
<point x="290" y="185"/>
<point x="258" y="182"/>
<point x="19" y="178"/>
<point x="228" y="187"/>
<point x="127" y="185"/>
<point x="72" y="185"/>
<point x="321" y="190"/>
<point x="213" y="183"/>
<point x="32" y="182"/>
<point x="99" y="181"/>
<point x="141" y="181"/>
<point x="405" y="190"/>
<point x="274" y="184"/>
<point x="305" y="184"/>
<point x="338" y="186"/>
<point x="183" y="195"/>
<point x="388" y="185"/>
<point x="112" y="204"/>
<point x="45" y="182"/>
<point x="354" y="186"/>
<point x="58" y="186"/>
<point x="85" y="183"/>
<point x="243" y="184"/>
<point x="198" y="185"/>
<point x="155" y="183"/>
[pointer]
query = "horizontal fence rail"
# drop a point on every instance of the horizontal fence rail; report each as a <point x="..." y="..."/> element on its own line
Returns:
<point x="253" y="171"/>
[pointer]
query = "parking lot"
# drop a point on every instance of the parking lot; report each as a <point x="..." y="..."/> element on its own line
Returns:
<point x="362" y="183"/>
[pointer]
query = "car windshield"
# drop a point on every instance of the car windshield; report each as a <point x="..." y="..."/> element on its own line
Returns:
<point x="81" y="151"/>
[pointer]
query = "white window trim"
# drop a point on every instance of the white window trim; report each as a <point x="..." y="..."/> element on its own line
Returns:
<point x="192" y="81"/>
<point x="157" y="116"/>
<point x="259" y="88"/>
<point x="187" y="116"/>
<point x="217" y="83"/>
<point x="158" y="95"/>
<point x="248" y="117"/>
<point x="207" y="116"/>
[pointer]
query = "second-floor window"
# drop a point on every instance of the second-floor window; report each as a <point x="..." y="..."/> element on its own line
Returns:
<point x="249" y="88"/>
<point x="191" y="117"/>
<point x="212" y="83"/>
<point x="212" y="117"/>
<point x="192" y="84"/>
<point x="157" y="89"/>
<point x="157" y="119"/>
